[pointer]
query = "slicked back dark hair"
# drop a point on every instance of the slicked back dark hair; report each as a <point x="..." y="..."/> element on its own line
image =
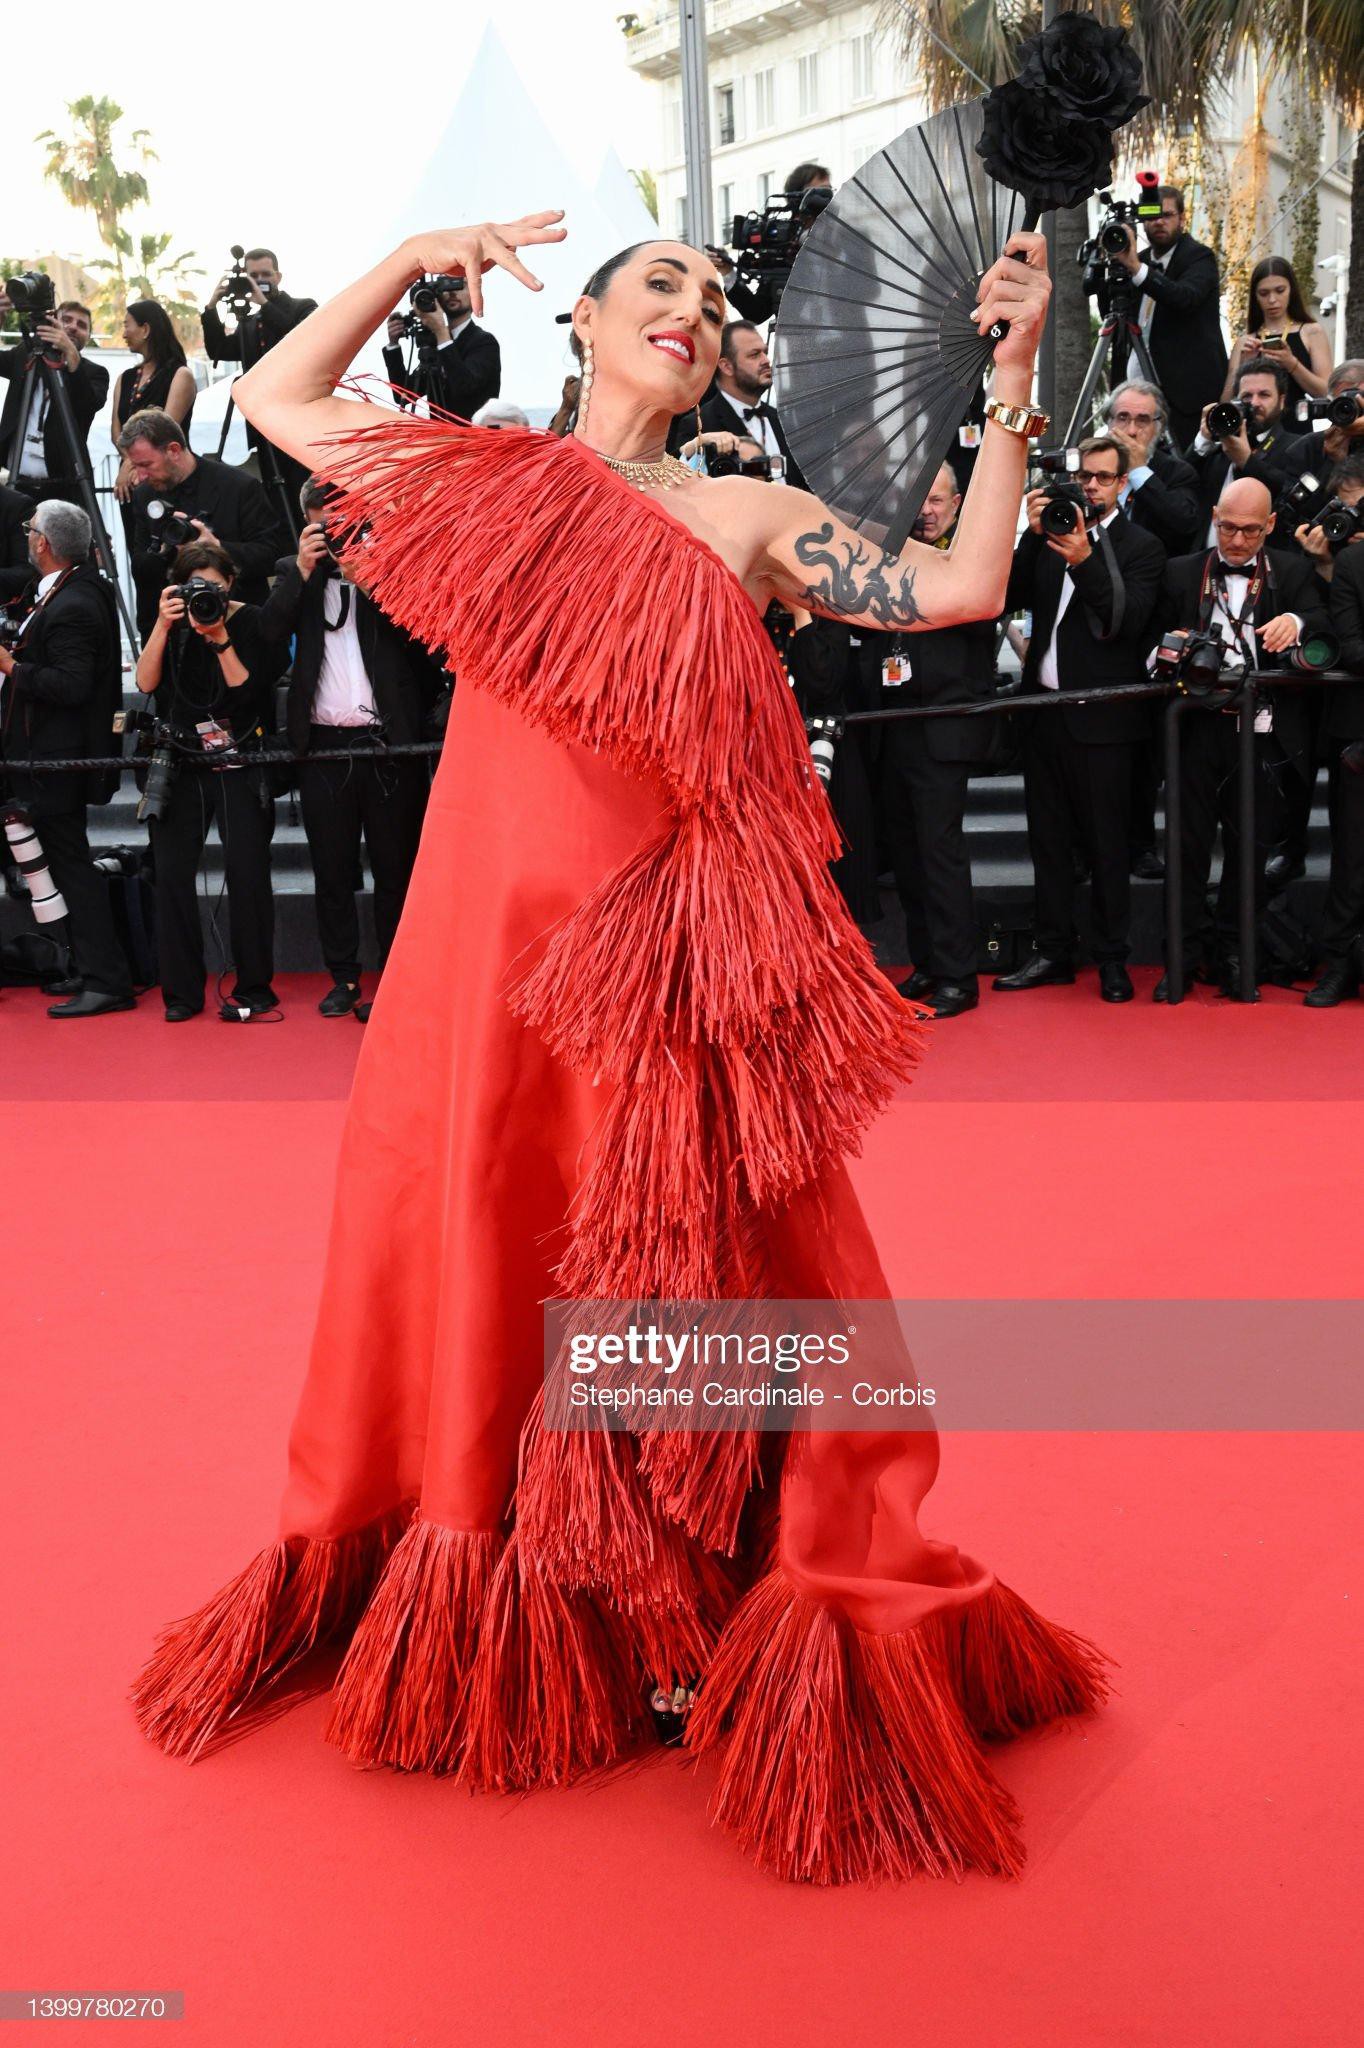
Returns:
<point x="598" y="284"/>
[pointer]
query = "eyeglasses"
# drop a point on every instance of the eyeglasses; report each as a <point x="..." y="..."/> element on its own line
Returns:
<point x="1231" y="530"/>
<point x="1133" y="419"/>
<point x="1097" y="476"/>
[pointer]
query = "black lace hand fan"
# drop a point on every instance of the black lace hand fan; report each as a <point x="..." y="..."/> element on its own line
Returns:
<point x="879" y="355"/>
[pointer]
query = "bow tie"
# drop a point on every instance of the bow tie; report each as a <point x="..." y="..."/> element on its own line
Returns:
<point x="1233" y="568"/>
<point x="754" y="412"/>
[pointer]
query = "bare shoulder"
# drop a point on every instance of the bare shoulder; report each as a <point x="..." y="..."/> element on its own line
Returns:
<point x="755" y="512"/>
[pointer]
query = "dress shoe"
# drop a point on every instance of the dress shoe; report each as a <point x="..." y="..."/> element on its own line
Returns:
<point x="361" y="1012"/>
<point x="1038" y="972"/>
<point x="180" y="1013"/>
<point x="917" y="987"/>
<point x="950" y="998"/>
<point x="1161" y="992"/>
<point x="93" y="1002"/>
<point x="1115" y="983"/>
<point x="340" y="999"/>
<point x="65" y="985"/>
<point x="1283" y="868"/>
<point x="1338" y="982"/>
<point x="246" y="1013"/>
<point x="1229" y="979"/>
<point x="1147" y="866"/>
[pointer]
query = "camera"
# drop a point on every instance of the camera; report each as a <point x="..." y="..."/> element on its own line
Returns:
<point x="1294" y="503"/>
<point x="1338" y="521"/>
<point x="171" y="530"/>
<point x="237" y="286"/>
<point x="1321" y="650"/>
<point x="1195" y="661"/>
<point x="824" y="735"/>
<point x="1342" y="410"/>
<point x="161" y="767"/>
<point x="425" y="296"/>
<point x="1098" y="256"/>
<point x="1231" y="416"/>
<point x="765" y="466"/>
<point x="770" y="241"/>
<point x="1055" y="461"/>
<point x="11" y="626"/>
<point x="1066" y="510"/>
<point x="205" y="602"/>
<point x="31" y="294"/>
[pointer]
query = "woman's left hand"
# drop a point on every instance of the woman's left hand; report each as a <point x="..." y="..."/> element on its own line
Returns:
<point x="1016" y="288"/>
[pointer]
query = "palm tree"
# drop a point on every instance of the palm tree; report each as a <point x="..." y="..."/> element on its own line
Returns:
<point x="82" y="167"/>
<point x="154" y="274"/>
<point x="1323" y="39"/>
<point x="987" y="33"/>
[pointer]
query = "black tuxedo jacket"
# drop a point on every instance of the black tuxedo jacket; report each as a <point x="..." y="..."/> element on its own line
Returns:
<point x="1187" y="349"/>
<point x="406" y="680"/>
<point x="1292" y="587"/>
<point x="62" y="693"/>
<point x="15" y="568"/>
<point x="1212" y="468"/>
<point x="950" y="665"/>
<point x="461" y="377"/>
<point x="1167" y="503"/>
<point x="87" y="386"/>
<point x="233" y="506"/>
<point x="1343" y="713"/>
<point x="277" y="316"/>
<point x="719" y="417"/>
<point x="1089" y="650"/>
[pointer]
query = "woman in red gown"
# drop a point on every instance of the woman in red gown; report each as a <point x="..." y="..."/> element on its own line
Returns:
<point x="624" y="1041"/>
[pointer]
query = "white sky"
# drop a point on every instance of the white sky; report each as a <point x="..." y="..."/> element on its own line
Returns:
<point x="300" y="125"/>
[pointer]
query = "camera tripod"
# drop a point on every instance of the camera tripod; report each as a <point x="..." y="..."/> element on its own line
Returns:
<point x="77" y="459"/>
<point x="1120" y="339"/>
<point x="271" y="474"/>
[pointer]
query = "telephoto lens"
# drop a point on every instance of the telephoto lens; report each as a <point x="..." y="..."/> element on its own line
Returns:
<point x="1064" y="511"/>
<point x="26" y="850"/>
<point x="824" y="735"/>
<point x="1230" y="417"/>
<point x="160" y="775"/>
<point x="1338" y="521"/>
<point x="1317" y="651"/>
<point x="1342" y="410"/>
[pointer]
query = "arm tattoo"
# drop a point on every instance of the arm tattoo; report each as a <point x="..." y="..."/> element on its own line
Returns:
<point x="852" y="583"/>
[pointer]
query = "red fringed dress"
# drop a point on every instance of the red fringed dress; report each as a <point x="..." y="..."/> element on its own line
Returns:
<point x="625" y="1036"/>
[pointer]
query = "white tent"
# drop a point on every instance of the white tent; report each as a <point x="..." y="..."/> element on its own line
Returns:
<point x="498" y="159"/>
<point x="618" y="194"/>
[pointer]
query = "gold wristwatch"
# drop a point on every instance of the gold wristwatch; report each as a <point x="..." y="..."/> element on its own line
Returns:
<point x="1027" y="420"/>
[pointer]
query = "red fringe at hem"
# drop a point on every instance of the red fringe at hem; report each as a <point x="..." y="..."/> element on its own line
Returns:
<point x="296" y="1596"/>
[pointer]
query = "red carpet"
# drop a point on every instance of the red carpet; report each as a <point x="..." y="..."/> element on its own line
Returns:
<point x="1189" y="1875"/>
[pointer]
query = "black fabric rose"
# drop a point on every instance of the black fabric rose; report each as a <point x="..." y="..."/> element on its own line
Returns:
<point x="1086" y="70"/>
<point x="1038" y="148"/>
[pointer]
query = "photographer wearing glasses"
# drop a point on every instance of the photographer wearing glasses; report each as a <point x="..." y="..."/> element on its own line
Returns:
<point x="1160" y="489"/>
<point x="1091" y="580"/>
<point x="179" y="497"/>
<point x="31" y="440"/>
<point x="357" y="680"/>
<point x="1259" y="602"/>
<point x="61" y="683"/>
<point x="212" y="672"/>
<point x="1180" y="314"/>
<point x="458" y="364"/>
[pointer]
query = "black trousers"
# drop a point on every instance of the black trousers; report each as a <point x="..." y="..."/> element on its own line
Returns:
<point x="1342" y="914"/>
<point x="96" y="955"/>
<point x="382" y="799"/>
<point x="1297" y="808"/>
<point x="1072" y="788"/>
<point x="1148" y="771"/>
<point x="923" y="808"/>
<point x="231" y="797"/>
<point x="1209" y="788"/>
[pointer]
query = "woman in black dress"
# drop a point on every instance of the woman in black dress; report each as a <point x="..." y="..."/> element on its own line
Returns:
<point x="1279" y="325"/>
<point x="162" y="378"/>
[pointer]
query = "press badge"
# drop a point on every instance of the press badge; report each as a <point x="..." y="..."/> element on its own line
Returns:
<point x="968" y="434"/>
<point x="894" y="669"/>
<point x="217" y="740"/>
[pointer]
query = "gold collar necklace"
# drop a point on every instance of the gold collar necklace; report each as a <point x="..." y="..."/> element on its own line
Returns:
<point x="663" y="475"/>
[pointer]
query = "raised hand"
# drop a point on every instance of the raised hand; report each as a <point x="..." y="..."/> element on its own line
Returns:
<point x="1016" y="288"/>
<point x="470" y="252"/>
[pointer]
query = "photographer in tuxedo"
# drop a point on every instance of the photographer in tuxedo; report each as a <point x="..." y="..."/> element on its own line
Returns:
<point x="60" y="685"/>
<point x="219" y="503"/>
<point x="739" y="403"/>
<point x="926" y="765"/>
<point x="357" y="681"/>
<point x="268" y="314"/>
<point x="1180" y="315"/>
<point x="461" y="369"/>
<point x="1317" y="454"/>
<point x="1092" y="591"/>
<point x="1248" y="451"/>
<point x="1342" y="728"/>
<point x="31" y="440"/>
<point x="1260" y="601"/>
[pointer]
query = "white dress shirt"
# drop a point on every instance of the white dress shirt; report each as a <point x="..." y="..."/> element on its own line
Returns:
<point x="456" y="330"/>
<point x="1047" y="674"/>
<point x="758" y="429"/>
<point x="1236" y="583"/>
<point x="1148" y="304"/>
<point x="33" y="454"/>
<point x="344" y="694"/>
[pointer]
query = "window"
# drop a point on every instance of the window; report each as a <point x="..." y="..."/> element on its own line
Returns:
<point x="682" y="217"/>
<point x="766" y="180"/>
<point x="724" y="115"/>
<point x="807" y="84"/>
<point x="674" y="128"/>
<point x="764" y="99"/>
<point x="863" y="77"/>
<point x="724" y="209"/>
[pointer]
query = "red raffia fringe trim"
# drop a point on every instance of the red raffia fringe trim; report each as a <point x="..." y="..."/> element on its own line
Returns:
<point x="847" y="1758"/>
<point x="1017" y="1671"/>
<point x="290" y="1600"/>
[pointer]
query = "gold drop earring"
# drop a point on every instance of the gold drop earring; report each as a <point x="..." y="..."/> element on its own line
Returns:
<point x="584" y="384"/>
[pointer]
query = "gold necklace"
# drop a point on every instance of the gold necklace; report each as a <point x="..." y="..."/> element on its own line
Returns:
<point x="663" y="475"/>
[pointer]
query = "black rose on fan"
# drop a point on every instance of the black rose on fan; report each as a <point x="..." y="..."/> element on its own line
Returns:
<point x="1087" y="70"/>
<point x="1037" y="148"/>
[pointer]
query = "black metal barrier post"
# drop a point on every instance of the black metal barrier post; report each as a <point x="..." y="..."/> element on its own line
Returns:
<point x="1174" y="857"/>
<point x="1249" y="939"/>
